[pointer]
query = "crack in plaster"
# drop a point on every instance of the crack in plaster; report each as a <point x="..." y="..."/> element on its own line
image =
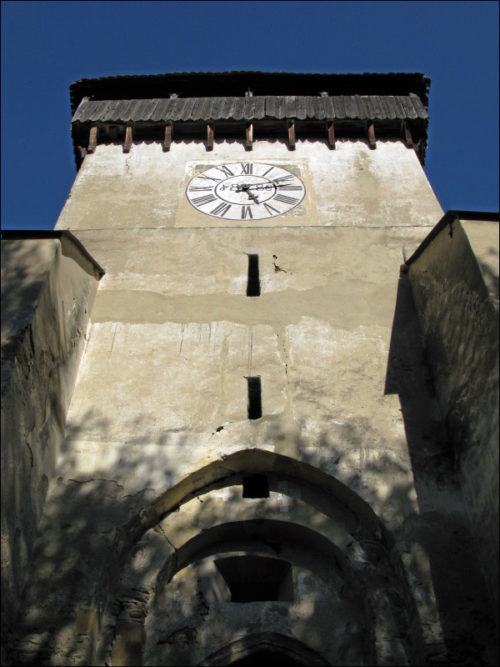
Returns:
<point x="96" y="479"/>
<point x="224" y="354"/>
<point x="250" y="350"/>
<point x="284" y="354"/>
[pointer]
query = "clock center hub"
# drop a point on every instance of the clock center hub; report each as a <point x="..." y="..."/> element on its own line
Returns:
<point x="245" y="190"/>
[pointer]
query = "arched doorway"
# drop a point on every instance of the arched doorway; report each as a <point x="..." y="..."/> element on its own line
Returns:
<point x="265" y="648"/>
<point x="267" y="656"/>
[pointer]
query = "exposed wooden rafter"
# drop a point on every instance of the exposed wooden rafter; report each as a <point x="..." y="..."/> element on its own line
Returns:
<point x="168" y="137"/>
<point x="249" y="137"/>
<point x="92" y="139"/>
<point x="210" y="136"/>
<point x="330" y="130"/>
<point x="408" y="139"/>
<point x="128" y="139"/>
<point x="291" y="135"/>
<point x="371" y="135"/>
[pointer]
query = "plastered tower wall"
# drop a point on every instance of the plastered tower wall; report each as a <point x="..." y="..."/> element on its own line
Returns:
<point x="460" y="268"/>
<point x="48" y="287"/>
<point x="343" y="484"/>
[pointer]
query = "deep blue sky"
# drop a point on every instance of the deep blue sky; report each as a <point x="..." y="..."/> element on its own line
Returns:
<point x="48" y="45"/>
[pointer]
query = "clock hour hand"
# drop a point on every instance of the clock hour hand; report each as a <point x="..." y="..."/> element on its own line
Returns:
<point x="252" y="196"/>
<point x="246" y="188"/>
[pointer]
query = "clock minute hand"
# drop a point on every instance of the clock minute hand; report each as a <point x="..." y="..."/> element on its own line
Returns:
<point x="260" y="186"/>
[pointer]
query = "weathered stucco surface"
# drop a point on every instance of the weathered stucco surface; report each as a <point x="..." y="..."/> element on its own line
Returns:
<point x="48" y="288"/>
<point x="363" y="499"/>
<point x="347" y="187"/>
<point x="455" y="284"/>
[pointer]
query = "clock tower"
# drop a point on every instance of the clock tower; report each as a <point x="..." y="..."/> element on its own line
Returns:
<point x="255" y="463"/>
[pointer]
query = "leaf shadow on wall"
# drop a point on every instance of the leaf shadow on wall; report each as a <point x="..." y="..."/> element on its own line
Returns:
<point x="78" y="529"/>
<point x="83" y="515"/>
<point x="442" y="525"/>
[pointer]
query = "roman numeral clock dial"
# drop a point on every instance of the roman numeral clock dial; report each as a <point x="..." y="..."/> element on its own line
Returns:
<point x="245" y="191"/>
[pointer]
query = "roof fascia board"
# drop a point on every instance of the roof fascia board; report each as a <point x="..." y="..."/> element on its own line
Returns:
<point x="448" y="218"/>
<point x="33" y="234"/>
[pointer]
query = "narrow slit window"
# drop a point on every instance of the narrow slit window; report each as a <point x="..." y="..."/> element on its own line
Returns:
<point x="253" y="284"/>
<point x="254" y="398"/>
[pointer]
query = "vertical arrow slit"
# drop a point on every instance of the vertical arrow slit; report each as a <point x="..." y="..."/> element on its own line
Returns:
<point x="253" y="283"/>
<point x="254" y="398"/>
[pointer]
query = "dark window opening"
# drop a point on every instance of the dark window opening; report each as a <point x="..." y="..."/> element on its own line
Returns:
<point x="255" y="486"/>
<point x="254" y="398"/>
<point x="257" y="578"/>
<point x="253" y="284"/>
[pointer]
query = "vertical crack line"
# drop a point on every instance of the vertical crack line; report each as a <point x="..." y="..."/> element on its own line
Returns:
<point x="88" y="336"/>
<point x="214" y="337"/>
<point x="113" y="341"/>
<point x="182" y="338"/>
<point x="63" y="324"/>
<point x="250" y="350"/>
<point x="284" y="353"/>
<point x="31" y="453"/>
<point x="222" y="371"/>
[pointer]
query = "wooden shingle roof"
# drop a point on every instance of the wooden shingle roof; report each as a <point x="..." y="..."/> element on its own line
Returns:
<point x="388" y="102"/>
<point x="360" y="107"/>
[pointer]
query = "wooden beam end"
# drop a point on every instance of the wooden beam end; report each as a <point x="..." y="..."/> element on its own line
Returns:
<point x="371" y="136"/>
<point x="249" y="137"/>
<point x="331" y="135"/>
<point x="128" y="139"/>
<point x="210" y="136"/>
<point x="92" y="139"/>
<point x="408" y="139"/>
<point x="291" y="135"/>
<point x="168" y="138"/>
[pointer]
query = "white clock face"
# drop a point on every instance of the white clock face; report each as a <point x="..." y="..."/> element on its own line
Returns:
<point x="245" y="191"/>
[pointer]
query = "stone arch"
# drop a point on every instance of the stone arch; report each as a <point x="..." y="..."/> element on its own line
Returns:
<point x="363" y="524"/>
<point x="271" y="642"/>
<point x="334" y="590"/>
<point x="261" y="535"/>
<point x="229" y="470"/>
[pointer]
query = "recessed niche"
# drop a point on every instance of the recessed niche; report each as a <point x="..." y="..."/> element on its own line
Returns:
<point x="255" y="486"/>
<point x="257" y="578"/>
